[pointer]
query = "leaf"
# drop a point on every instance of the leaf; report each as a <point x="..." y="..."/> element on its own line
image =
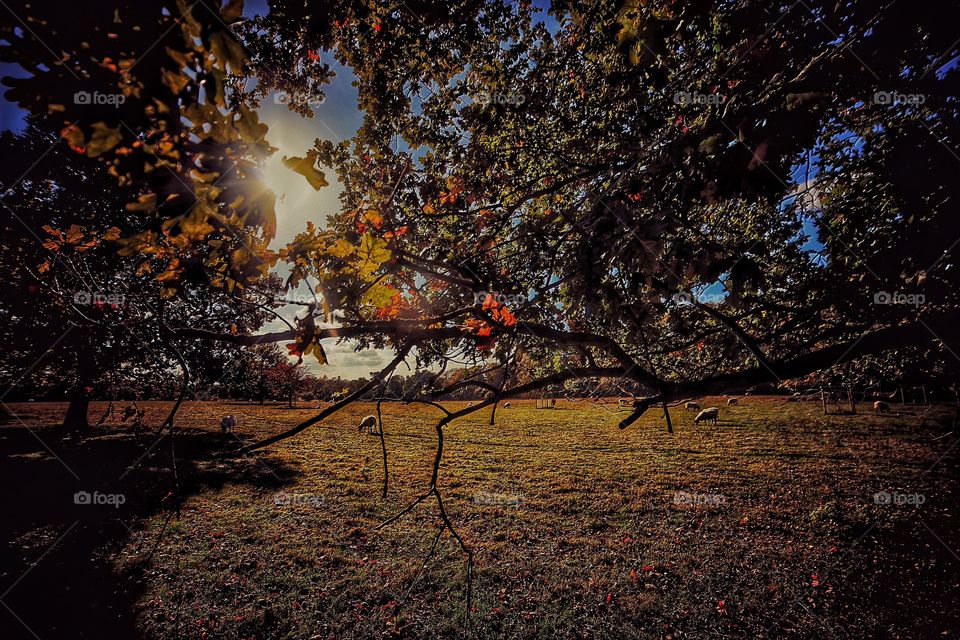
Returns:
<point x="103" y="139"/>
<point x="74" y="137"/>
<point x="379" y="295"/>
<point x="759" y="155"/>
<point x="232" y="11"/>
<point x="147" y="202"/>
<point x="372" y="253"/>
<point x="227" y="51"/>
<point x="341" y="249"/>
<point x="74" y="234"/>
<point x="307" y="168"/>
<point x="316" y="350"/>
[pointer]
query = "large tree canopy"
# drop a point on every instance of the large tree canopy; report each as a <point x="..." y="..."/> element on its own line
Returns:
<point x="548" y="198"/>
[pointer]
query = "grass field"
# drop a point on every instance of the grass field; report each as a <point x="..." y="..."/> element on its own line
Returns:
<point x="765" y="526"/>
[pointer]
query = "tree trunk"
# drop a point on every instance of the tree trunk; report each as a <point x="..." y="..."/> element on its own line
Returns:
<point x="76" y="419"/>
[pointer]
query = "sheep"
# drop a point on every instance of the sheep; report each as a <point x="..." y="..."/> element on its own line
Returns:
<point x="710" y="414"/>
<point x="227" y="424"/>
<point x="732" y="401"/>
<point x="881" y="407"/>
<point x="506" y="405"/>
<point x="369" y="424"/>
<point x="692" y="406"/>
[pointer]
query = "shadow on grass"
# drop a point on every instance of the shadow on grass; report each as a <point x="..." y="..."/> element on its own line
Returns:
<point x="71" y="504"/>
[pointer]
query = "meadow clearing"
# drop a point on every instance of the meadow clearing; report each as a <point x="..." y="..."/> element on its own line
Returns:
<point x="766" y="526"/>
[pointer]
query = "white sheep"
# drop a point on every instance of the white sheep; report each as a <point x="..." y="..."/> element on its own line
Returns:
<point x="731" y="402"/>
<point x="881" y="407"/>
<point x="369" y="424"/>
<point x="228" y="423"/>
<point x="692" y="406"/>
<point x="710" y="414"/>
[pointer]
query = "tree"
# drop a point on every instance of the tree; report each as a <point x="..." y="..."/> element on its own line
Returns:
<point x="612" y="171"/>
<point x="247" y="375"/>
<point x="565" y="195"/>
<point x="81" y="319"/>
<point x="285" y="380"/>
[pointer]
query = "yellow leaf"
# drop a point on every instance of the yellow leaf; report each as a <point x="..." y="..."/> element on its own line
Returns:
<point x="372" y="253"/>
<point x="379" y="295"/>
<point x="342" y="249"/>
<point x="146" y="202"/>
<point x="307" y="168"/>
<point x="103" y="139"/>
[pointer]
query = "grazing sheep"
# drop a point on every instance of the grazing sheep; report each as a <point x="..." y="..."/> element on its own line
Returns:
<point x="369" y="424"/>
<point x="692" y="406"/>
<point x="506" y="405"/>
<point x="732" y="401"/>
<point x="881" y="407"/>
<point x="710" y="414"/>
<point x="227" y="423"/>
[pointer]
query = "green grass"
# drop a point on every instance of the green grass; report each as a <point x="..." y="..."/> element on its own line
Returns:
<point x="575" y="526"/>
